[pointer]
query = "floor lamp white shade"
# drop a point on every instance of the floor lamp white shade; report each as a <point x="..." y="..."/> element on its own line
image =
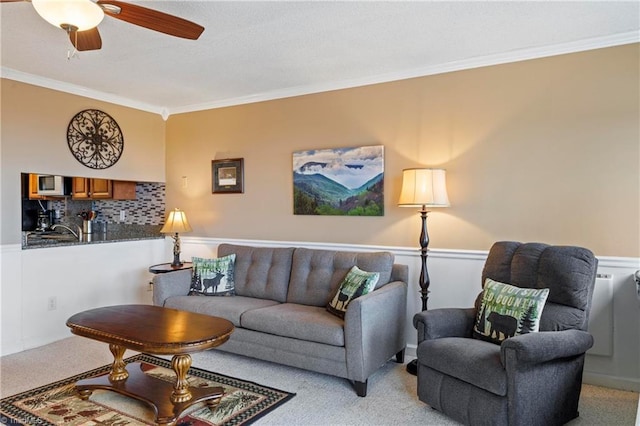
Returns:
<point x="424" y="187"/>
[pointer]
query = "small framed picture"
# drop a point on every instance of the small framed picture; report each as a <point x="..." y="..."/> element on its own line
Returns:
<point x="228" y="176"/>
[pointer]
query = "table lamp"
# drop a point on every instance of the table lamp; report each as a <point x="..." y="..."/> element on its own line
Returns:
<point x="423" y="188"/>
<point x="176" y="223"/>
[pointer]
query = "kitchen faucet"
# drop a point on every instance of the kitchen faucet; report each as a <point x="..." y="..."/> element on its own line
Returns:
<point x="78" y="235"/>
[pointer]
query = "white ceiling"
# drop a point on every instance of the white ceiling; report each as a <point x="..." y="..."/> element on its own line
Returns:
<point x="253" y="51"/>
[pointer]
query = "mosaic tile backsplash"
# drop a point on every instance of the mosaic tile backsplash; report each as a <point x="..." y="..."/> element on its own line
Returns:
<point x="147" y="209"/>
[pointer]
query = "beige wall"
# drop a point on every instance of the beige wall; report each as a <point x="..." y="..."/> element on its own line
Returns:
<point x="542" y="150"/>
<point x="33" y="139"/>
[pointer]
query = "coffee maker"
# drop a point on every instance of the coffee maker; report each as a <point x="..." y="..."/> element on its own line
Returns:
<point x="44" y="220"/>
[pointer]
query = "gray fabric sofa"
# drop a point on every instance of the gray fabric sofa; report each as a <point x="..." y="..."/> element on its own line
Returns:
<point x="279" y="309"/>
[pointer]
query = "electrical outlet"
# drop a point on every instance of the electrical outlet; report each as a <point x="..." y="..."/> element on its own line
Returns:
<point x="52" y="303"/>
<point x="123" y="215"/>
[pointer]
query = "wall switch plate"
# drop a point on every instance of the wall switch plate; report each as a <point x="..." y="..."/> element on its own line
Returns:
<point x="123" y="215"/>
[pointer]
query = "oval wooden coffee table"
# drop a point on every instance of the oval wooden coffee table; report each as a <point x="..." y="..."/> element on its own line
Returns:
<point x="157" y="331"/>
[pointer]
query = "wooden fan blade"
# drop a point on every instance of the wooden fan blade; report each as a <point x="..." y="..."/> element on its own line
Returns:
<point x="151" y="19"/>
<point x="86" y="40"/>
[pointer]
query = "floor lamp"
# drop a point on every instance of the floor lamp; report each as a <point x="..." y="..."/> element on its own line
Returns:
<point x="423" y="188"/>
<point x="176" y="223"/>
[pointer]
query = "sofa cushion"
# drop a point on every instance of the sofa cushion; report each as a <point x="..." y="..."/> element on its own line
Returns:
<point x="261" y="272"/>
<point x="451" y="355"/>
<point x="229" y="308"/>
<point x="317" y="274"/>
<point x="357" y="283"/>
<point x="212" y="277"/>
<point x="506" y="311"/>
<point x="302" y="322"/>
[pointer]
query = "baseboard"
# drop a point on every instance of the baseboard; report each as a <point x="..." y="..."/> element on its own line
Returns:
<point x="410" y="351"/>
<point x="8" y="349"/>
<point x="622" y="383"/>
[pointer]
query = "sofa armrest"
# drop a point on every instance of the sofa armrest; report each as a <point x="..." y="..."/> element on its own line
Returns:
<point x="374" y="329"/>
<point x="445" y="322"/>
<point x="176" y="283"/>
<point x="544" y="346"/>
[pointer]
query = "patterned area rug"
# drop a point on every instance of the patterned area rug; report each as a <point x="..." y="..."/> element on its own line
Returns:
<point x="57" y="403"/>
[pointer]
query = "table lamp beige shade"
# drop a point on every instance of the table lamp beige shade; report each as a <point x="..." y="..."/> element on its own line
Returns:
<point x="176" y="222"/>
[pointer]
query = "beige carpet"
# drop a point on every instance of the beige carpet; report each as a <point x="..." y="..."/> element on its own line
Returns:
<point x="320" y="399"/>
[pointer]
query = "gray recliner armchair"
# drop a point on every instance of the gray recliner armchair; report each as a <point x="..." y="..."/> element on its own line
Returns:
<point x="528" y="379"/>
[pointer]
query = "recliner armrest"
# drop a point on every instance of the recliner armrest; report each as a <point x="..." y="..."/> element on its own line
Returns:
<point x="445" y="322"/>
<point x="545" y="346"/>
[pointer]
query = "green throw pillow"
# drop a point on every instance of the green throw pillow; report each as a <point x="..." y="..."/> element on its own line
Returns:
<point x="213" y="277"/>
<point x="507" y="311"/>
<point x="355" y="284"/>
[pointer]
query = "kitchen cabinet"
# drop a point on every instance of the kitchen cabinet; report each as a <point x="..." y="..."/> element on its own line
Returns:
<point x="33" y="188"/>
<point x="123" y="190"/>
<point x="102" y="189"/>
<point x="91" y="189"/>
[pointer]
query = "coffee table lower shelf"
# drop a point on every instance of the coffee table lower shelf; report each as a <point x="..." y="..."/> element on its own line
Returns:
<point x="151" y="390"/>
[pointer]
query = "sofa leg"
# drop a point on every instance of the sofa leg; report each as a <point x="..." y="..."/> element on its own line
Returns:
<point x="360" y="387"/>
<point x="400" y="357"/>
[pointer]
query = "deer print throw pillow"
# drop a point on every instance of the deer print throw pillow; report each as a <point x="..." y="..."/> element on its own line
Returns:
<point x="355" y="284"/>
<point x="506" y="311"/>
<point x="213" y="277"/>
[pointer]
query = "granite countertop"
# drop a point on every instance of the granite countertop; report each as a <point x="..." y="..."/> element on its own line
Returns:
<point x="115" y="233"/>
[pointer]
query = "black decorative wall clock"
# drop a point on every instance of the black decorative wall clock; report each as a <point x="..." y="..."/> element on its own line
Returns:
<point x="95" y="139"/>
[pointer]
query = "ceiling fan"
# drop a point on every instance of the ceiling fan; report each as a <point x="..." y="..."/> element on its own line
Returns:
<point x="80" y="19"/>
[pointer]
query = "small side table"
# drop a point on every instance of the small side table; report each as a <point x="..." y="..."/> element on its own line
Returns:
<point x="161" y="268"/>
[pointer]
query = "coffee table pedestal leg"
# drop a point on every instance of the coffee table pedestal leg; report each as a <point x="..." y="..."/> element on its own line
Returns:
<point x="118" y="369"/>
<point x="181" y="364"/>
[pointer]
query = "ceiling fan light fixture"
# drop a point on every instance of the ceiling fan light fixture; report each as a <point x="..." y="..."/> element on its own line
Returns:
<point x="81" y="14"/>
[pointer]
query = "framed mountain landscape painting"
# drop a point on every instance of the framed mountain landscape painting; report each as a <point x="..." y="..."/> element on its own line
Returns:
<point x="341" y="181"/>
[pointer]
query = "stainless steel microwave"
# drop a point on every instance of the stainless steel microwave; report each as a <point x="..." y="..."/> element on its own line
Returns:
<point x="52" y="185"/>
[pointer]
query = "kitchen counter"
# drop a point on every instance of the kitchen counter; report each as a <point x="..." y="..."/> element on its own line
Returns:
<point x="115" y="233"/>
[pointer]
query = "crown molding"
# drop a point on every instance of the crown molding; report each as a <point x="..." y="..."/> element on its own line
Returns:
<point x="74" y="89"/>
<point x="471" y="63"/>
<point x="477" y="62"/>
